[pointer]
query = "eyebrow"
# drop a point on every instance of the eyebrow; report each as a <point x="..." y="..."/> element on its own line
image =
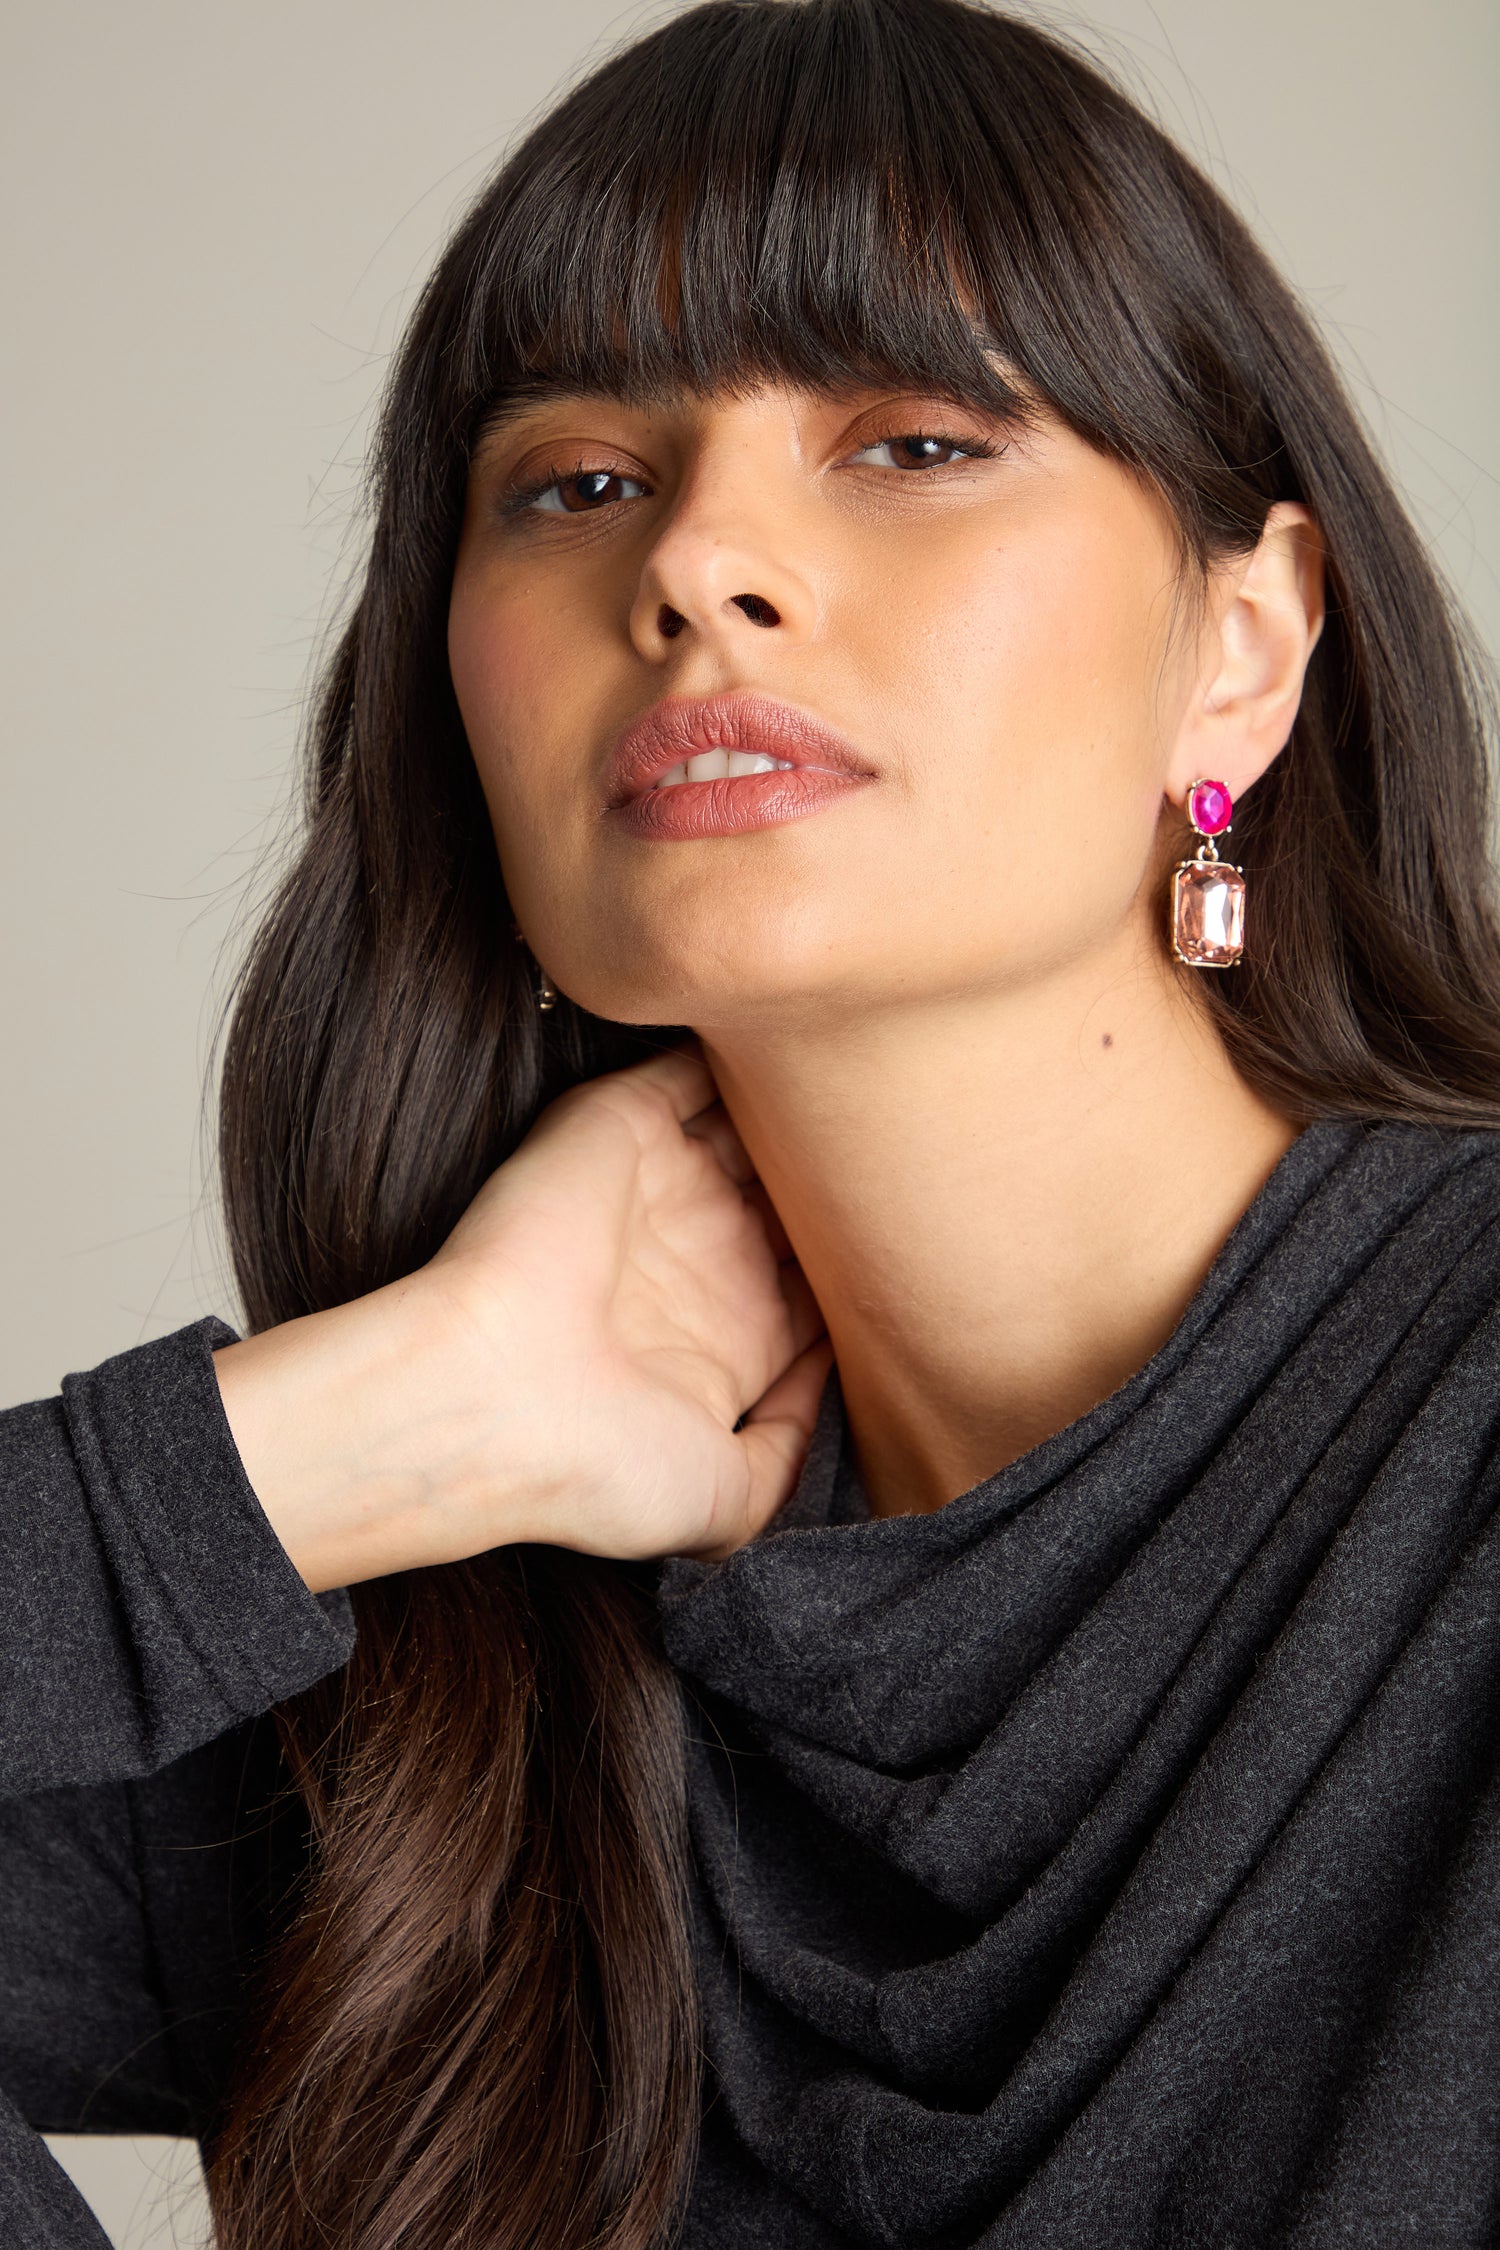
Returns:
<point x="536" y="391"/>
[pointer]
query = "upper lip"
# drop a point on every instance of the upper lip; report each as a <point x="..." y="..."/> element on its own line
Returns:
<point x="680" y="725"/>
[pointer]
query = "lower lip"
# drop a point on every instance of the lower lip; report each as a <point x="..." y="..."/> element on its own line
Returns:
<point x="690" y="809"/>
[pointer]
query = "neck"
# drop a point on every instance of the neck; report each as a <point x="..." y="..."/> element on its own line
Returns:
<point x="1003" y="1203"/>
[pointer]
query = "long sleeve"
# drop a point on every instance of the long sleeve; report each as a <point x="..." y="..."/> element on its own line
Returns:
<point x="151" y="1621"/>
<point x="148" y="1603"/>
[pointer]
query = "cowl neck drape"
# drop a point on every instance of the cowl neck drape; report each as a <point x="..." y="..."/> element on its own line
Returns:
<point x="1111" y="1857"/>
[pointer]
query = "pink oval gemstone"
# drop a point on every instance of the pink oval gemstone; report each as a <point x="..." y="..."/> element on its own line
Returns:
<point x="1209" y="807"/>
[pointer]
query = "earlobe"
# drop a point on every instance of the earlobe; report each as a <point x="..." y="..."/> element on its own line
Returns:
<point x="1264" y="619"/>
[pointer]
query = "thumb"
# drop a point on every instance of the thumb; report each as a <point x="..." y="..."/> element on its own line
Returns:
<point x="776" y="1434"/>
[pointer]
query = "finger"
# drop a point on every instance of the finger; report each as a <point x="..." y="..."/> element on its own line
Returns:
<point x="777" y="1433"/>
<point x="683" y="1076"/>
<point x="803" y="1310"/>
<point x="715" y="1126"/>
<point x="805" y="1327"/>
<point x="754" y="1192"/>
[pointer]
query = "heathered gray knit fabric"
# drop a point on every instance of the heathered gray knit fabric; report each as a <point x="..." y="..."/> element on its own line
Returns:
<point x="149" y="1610"/>
<point x="1110" y="1860"/>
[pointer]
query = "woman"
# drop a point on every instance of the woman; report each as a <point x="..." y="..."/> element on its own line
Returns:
<point x="922" y="1656"/>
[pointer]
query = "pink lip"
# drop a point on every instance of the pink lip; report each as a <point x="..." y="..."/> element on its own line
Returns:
<point x="826" y="764"/>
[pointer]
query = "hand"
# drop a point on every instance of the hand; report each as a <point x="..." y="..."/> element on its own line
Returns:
<point x="570" y="1367"/>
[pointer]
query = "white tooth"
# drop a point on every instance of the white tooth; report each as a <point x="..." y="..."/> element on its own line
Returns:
<point x="708" y="765"/>
<point x="786" y="765"/>
<point x="750" y="761"/>
<point x="670" y="779"/>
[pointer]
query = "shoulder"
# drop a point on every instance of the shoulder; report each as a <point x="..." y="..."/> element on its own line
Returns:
<point x="1461" y="1160"/>
<point x="1437" y="1187"/>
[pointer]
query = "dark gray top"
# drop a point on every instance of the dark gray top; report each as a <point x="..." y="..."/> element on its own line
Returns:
<point x="1110" y="1859"/>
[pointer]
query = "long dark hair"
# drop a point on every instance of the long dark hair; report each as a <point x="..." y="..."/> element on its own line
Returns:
<point x="478" y="2031"/>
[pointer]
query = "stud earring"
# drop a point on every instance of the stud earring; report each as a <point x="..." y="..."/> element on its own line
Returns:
<point x="544" y="995"/>
<point x="1208" y="895"/>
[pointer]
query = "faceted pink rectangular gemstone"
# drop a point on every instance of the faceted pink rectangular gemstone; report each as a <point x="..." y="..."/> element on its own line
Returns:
<point x="1208" y="914"/>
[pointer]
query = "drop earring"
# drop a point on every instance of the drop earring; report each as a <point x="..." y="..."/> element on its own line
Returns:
<point x="1208" y="895"/>
<point x="543" y="993"/>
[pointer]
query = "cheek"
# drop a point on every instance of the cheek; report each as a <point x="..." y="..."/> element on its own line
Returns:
<point x="504" y="679"/>
<point x="513" y="689"/>
<point x="1035" y="740"/>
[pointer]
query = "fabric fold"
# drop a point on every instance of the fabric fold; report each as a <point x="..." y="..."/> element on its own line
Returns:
<point x="1065" y="1851"/>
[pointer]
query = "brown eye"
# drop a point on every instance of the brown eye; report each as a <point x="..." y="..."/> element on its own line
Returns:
<point x="916" y="449"/>
<point x="919" y="452"/>
<point x="575" y="492"/>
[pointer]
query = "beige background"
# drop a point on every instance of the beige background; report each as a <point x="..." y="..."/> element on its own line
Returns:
<point x="217" y="220"/>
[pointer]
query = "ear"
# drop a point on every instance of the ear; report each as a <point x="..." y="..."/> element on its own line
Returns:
<point x="1263" y="618"/>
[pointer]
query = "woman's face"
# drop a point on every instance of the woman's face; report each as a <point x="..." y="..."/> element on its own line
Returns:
<point x="982" y="614"/>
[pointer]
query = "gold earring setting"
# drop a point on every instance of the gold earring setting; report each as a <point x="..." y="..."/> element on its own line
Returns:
<point x="544" y="994"/>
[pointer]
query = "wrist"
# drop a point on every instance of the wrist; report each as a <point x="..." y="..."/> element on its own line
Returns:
<point x="351" y="1430"/>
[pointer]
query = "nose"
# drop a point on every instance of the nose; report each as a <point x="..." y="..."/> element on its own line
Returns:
<point x="725" y="565"/>
<point x="670" y="622"/>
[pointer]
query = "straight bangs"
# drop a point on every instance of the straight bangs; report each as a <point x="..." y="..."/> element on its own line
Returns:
<point x="783" y="203"/>
<point x="848" y="193"/>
